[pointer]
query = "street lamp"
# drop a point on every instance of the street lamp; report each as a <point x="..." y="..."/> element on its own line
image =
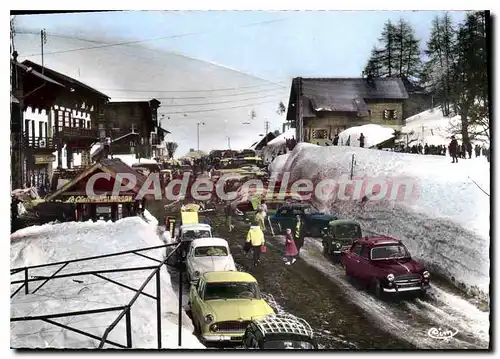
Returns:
<point x="198" y="124"/>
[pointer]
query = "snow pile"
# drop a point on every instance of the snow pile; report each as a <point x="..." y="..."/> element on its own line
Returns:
<point x="280" y="140"/>
<point x="433" y="128"/>
<point x="446" y="227"/>
<point x="374" y="134"/>
<point x="277" y="145"/>
<point x="53" y="243"/>
<point x="278" y="163"/>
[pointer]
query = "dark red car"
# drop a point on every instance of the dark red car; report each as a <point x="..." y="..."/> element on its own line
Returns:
<point x="385" y="265"/>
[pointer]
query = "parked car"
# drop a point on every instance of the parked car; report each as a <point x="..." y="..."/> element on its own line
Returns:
<point x="208" y="255"/>
<point x="313" y="220"/>
<point x="339" y="236"/>
<point x="224" y="303"/>
<point x="188" y="233"/>
<point x="279" y="332"/>
<point x="385" y="264"/>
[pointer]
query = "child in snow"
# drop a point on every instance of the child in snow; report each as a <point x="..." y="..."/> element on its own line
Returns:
<point x="290" y="248"/>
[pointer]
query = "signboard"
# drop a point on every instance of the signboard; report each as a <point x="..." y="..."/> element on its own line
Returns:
<point x="44" y="159"/>
<point x="100" y="199"/>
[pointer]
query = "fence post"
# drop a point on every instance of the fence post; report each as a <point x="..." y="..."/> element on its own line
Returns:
<point x="26" y="291"/>
<point x="352" y="166"/>
<point x="180" y="308"/>
<point x="128" y="328"/>
<point x="158" y="308"/>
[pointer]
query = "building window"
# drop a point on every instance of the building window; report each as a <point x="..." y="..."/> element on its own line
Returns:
<point x="133" y="127"/>
<point x="390" y="115"/>
<point x="319" y="134"/>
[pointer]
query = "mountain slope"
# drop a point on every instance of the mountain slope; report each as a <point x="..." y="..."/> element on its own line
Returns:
<point x="190" y="90"/>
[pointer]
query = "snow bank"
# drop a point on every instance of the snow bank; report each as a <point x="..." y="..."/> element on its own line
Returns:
<point x="52" y="243"/>
<point x="280" y="140"/>
<point x="278" y="163"/>
<point x="374" y="134"/>
<point x="447" y="227"/>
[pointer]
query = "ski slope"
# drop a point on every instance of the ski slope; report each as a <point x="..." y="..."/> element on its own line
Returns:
<point x="53" y="243"/>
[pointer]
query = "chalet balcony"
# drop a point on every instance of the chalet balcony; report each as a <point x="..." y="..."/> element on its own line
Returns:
<point x="37" y="142"/>
<point x="77" y="133"/>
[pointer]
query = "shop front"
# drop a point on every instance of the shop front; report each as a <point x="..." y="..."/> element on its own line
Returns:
<point x="100" y="205"/>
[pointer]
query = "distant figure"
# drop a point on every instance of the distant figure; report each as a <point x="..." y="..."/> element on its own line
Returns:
<point x="426" y="149"/>
<point x="469" y="149"/>
<point x="228" y="211"/>
<point x="299" y="233"/>
<point x="477" y="150"/>
<point x="361" y="140"/>
<point x="336" y="140"/>
<point x="290" y="248"/>
<point x="453" y="149"/>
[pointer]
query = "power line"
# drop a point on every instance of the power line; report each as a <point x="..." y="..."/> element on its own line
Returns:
<point x="131" y="42"/>
<point x="186" y="112"/>
<point x="133" y="98"/>
<point x="219" y="102"/>
<point x="278" y="87"/>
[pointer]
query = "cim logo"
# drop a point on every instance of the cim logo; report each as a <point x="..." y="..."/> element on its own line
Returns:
<point x="439" y="333"/>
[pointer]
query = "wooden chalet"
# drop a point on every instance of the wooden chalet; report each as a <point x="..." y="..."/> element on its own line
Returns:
<point x="131" y="128"/>
<point x="103" y="205"/>
<point x="73" y="112"/>
<point x="327" y="106"/>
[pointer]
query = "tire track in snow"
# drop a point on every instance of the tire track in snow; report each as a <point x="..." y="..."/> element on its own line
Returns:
<point x="399" y="320"/>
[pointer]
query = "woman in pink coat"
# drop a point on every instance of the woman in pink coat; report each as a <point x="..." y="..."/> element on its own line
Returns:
<point x="290" y="248"/>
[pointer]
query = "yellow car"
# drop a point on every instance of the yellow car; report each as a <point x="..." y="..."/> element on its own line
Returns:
<point x="224" y="303"/>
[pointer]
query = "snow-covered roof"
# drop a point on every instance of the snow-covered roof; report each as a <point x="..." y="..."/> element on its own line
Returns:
<point x="53" y="243"/>
<point x="280" y="140"/>
<point x="203" y="242"/>
<point x="374" y="134"/>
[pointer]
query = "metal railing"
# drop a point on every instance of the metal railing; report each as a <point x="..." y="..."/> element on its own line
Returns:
<point x="125" y="310"/>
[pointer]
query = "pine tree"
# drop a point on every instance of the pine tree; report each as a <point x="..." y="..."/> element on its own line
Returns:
<point x="398" y="53"/>
<point x="469" y="82"/>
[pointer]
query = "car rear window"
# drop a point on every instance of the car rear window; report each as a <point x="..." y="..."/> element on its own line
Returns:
<point x="210" y="251"/>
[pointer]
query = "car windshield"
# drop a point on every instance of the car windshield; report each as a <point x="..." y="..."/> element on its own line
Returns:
<point x="232" y="290"/>
<point x="195" y="233"/>
<point x="347" y="231"/>
<point x="287" y="344"/>
<point x="211" y="251"/>
<point x="390" y="252"/>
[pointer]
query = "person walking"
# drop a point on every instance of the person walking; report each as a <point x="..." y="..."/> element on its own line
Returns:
<point x="255" y="237"/>
<point x="228" y="211"/>
<point x="336" y="140"/>
<point x="260" y="219"/>
<point x="290" y="248"/>
<point x="299" y="233"/>
<point x="453" y="148"/>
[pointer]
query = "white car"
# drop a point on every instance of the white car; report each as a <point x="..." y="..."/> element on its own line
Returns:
<point x="208" y="255"/>
<point x="189" y="232"/>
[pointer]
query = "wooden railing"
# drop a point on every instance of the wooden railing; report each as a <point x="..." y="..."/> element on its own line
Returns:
<point x="77" y="132"/>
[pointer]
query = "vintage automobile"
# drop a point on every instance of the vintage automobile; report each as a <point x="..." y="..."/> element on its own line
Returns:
<point x="339" y="236"/>
<point x="224" y="303"/>
<point x="385" y="265"/>
<point x="208" y="255"/>
<point x="187" y="234"/>
<point x="278" y="331"/>
<point x="313" y="220"/>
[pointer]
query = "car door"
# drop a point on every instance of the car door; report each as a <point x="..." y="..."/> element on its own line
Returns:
<point x="364" y="270"/>
<point x="196" y="299"/>
<point x="351" y="259"/>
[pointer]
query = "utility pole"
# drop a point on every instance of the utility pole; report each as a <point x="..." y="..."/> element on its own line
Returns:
<point x="267" y="130"/>
<point x="300" y="124"/>
<point x="43" y="40"/>
<point x="198" y="124"/>
<point x="228" y="142"/>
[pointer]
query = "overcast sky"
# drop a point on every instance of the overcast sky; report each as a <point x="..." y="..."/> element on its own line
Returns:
<point x="272" y="45"/>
